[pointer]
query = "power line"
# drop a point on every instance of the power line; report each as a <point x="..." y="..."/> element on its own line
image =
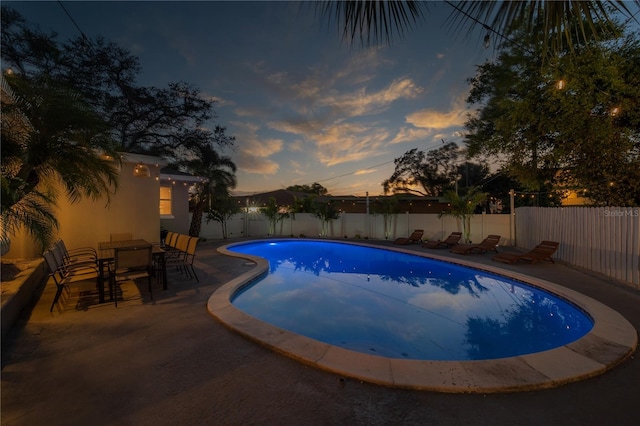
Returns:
<point x="488" y="28"/>
<point x="354" y="172"/>
<point x="84" y="37"/>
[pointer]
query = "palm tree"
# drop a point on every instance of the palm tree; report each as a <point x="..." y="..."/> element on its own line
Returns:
<point x="218" y="172"/>
<point x="49" y="136"/>
<point x="275" y="214"/>
<point x="223" y="210"/>
<point x="388" y="208"/>
<point x="463" y="208"/>
<point x="374" y="21"/>
<point x="327" y="213"/>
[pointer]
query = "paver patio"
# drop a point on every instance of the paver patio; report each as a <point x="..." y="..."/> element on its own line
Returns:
<point x="170" y="362"/>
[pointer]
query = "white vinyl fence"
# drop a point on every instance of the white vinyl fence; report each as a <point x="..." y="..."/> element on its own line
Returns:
<point x="359" y="225"/>
<point x="601" y="239"/>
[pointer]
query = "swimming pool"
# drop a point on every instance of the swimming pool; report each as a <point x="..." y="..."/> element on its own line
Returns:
<point x="610" y="340"/>
<point x="399" y="305"/>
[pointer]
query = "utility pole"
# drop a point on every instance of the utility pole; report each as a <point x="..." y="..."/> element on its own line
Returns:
<point x="367" y="221"/>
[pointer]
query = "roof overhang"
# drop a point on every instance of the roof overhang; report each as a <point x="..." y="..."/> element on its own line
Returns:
<point x="144" y="159"/>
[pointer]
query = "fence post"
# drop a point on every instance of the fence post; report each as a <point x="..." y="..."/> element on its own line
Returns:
<point x="512" y="217"/>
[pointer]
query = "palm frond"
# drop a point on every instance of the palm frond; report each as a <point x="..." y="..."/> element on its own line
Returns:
<point x="372" y="22"/>
<point x="556" y="17"/>
<point x="33" y="213"/>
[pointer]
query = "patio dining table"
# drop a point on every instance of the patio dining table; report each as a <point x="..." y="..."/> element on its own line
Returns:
<point x="106" y="255"/>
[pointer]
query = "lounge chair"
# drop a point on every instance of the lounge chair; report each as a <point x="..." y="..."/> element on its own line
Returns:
<point x="541" y="252"/>
<point x="488" y="244"/>
<point x="415" y="237"/>
<point x="451" y="241"/>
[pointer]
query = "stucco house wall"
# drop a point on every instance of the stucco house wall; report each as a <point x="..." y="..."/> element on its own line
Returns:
<point x="133" y="208"/>
<point x="180" y="183"/>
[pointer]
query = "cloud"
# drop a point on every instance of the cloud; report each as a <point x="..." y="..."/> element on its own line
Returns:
<point x="262" y="147"/>
<point x="323" y="106"/>
<point x="254" y="152"/>
<point x="347" y="142"/>
<point x="249" y="111"/>
<point x="410" y="134"/>
<point x="297" y="168"/>
<point x="296" y="146"/>
<point x="220" y="102"/>
<point x="298" y="126"/>
<point x="362" y="103"/>
<point x="433" y="119"/>
<point x="365" y="172"/>
<point x="324" y="120"/>
<point x="252" y="164"/>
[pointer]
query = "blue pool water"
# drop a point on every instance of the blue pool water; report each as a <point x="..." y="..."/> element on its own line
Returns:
<point x="397" y="305"/>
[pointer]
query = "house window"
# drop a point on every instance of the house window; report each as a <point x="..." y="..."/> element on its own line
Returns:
<point x="165" y="201"/>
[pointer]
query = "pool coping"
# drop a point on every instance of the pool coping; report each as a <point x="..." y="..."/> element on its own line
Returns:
<point x="611" y="340"/>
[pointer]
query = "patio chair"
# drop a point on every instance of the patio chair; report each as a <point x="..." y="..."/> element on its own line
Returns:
<point x="184" y="262"/>
<point x="451" y="241"/>
<point x="175" y="255"/>
<point x="64" y="277"/>
<point x="122" y="236"/>
<point x="488" y="244"/>
<point x="78" y="252"/>
<point x="130" y="264"/>
<point x="68" y="264"/>
<point x="171" y="242"/>
<point x="541" y="252"/>
<point x="170" y="239"/>
<point x="415" y="237"/>
<point x="79" y="255"/>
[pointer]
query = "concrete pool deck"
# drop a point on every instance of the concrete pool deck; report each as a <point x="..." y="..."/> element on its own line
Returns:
<point x="170" y="362"/>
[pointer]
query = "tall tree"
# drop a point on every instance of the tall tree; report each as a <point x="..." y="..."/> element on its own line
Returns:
<point x="218" y="173"/>
<point x="574" y="122"/>
<point x="315" y="188"/>
<point x="172" y="122"/>
<point x="304" y="204"/>
<point x="148" y="120"/>
<point x="157" y="121"/>
<point x="425" y="173"/>
<point x="471" y="174"/>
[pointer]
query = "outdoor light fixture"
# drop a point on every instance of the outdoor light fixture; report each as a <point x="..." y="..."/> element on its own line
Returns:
<point x="141" y="170"/>
<point x="560" y="84"/>
<point x="487" y="41"/>
<point x="615" y="111"/>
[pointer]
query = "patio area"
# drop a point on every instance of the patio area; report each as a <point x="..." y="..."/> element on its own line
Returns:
<point x="169" y="362"/>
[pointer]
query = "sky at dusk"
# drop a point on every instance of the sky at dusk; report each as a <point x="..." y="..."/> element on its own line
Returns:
<point x="303" y="106"/>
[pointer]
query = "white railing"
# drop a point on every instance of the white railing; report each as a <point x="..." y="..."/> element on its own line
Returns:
<point x="600" y="239"/>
